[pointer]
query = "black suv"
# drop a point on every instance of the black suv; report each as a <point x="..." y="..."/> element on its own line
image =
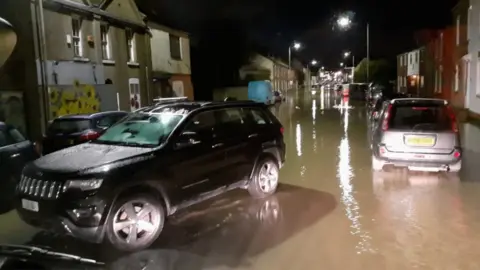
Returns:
<point x="155" y="161"/>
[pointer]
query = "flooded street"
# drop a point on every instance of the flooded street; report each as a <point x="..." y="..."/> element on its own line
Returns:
<point x="330" y="212"/>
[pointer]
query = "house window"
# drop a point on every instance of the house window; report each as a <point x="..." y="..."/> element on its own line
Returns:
<point x="135" y="97"/>
<point x="77" y="37"/>
<point x="457" y="30"/>
<point x="175" y="47"/>
<point x="130" y="38"/>
<point x="106" y="53"/>
<point x="456" y="86"/>
<point x="422" y="81"/>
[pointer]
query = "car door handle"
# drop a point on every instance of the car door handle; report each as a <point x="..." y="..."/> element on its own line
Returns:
<point x="217" y="145"/>
<point x="15" y="155"/>
<point x="253" y="135"/>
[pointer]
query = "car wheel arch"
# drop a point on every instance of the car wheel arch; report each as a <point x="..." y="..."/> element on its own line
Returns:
<point x="154" y="188"/>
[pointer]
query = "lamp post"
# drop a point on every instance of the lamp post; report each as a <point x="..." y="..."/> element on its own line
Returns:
<point x="295" y="46"/>
<point x="346" y="55"/>
<point x="345" y="22"/>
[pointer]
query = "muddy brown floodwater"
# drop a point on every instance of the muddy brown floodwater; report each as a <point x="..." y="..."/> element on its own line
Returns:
<point x="330" y="212"/>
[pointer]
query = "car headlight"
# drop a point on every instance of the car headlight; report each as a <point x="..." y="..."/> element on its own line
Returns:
<point x="84" y="185"/>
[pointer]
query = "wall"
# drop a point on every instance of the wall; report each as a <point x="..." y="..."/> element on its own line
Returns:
<point x="160" y="46"/>
<point x="461" y="56"/>
<point x="473" y="49"/>
<point x="239" y="92"/>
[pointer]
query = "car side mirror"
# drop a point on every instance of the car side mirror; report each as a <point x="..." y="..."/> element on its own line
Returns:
<point x="187" y="138"/>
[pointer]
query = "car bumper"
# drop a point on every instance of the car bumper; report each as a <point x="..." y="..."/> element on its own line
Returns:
<point x="425" y="162"/>
<point x="82" y="218"/>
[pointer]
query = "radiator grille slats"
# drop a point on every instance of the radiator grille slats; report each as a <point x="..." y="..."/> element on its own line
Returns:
<point x="40" y="188"/>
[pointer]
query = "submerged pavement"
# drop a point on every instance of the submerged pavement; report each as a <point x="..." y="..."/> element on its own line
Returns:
<point x="331" y="211"/>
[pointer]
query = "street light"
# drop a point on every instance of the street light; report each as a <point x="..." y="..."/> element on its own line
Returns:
<point x="314" y="62"/>
<point x="341" y="64"/>
<point x="344" y="22"/>
<point x="296" y="46"/>
<point x="346" y="54"/>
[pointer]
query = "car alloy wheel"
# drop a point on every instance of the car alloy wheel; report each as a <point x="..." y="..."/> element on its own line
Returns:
<point x="136" y="223"/>
<point x="268" y="177"/>
<point x="265" y="178"/>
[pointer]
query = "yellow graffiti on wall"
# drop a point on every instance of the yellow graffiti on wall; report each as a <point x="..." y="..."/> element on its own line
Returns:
<point x="76" y="99"/>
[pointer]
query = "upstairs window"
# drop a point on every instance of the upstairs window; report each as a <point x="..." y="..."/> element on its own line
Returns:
<point x="77" y="37"/>
<point x="106" y="53"/>
<point x="130" y="39"/>
<point x="175" y="47"/>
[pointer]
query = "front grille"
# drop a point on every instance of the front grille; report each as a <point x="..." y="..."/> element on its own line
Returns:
<point x="40" y="188"/>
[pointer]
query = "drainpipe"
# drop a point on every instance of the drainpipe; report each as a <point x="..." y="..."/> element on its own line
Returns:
<point x="43" y="66"/>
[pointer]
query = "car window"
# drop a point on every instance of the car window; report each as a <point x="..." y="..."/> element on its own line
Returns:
<point x="421" y="117"/>
<point x="142" y="129"/>
<point x="257" y="116"/>
<point x="69" y="125"/>
<point x="230" y="117"/>
<point x="106" y="121"/>
<point x="15" y="135"/>
<point x="3" y="138"/>
<point x="201" y="123"/>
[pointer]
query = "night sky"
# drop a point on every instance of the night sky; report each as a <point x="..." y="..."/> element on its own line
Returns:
<point x="275" y="23"/>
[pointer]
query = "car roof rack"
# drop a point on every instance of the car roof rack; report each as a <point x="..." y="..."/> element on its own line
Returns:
<point x="170" y="99"/>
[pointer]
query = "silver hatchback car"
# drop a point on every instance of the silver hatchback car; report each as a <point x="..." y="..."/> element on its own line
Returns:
<point x="417" y="133"/>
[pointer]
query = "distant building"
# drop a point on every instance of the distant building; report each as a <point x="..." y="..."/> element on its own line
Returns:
<point x="171" y="67"/>
<point x="280" y="76"/>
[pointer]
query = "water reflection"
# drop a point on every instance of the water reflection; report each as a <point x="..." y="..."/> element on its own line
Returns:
<point x="345" y="174"/>
<point x="298" y="139"/>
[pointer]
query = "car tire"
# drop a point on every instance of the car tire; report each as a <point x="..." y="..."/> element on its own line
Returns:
<point x="265" y="177"/>
<point x="124" y="229"/>
<point x="377" y="165"/>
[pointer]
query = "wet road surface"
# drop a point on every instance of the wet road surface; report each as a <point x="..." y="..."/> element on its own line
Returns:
<point x="331" y="211"/>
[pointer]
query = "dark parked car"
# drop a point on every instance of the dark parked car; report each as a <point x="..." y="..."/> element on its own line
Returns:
<point x="121" y="186"/>
<point x="15" y="152"/>
<point x="70" y="130"/>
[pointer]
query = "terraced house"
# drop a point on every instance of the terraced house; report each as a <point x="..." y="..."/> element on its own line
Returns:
<point x="74" y="56"/>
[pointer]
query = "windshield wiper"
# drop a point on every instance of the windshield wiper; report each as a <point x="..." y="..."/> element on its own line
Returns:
<point x="31" y="251"/>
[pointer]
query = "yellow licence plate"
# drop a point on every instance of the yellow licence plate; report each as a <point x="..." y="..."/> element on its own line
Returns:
<point x="421" y="141"/>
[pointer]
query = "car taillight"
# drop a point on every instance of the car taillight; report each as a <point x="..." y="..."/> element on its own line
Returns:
<point x="282" y="130"/>
<point x="89" y="135"/>
<point x="453" y="119"/>
<point x="386" y="119"/>
<point x="457" y="154"/>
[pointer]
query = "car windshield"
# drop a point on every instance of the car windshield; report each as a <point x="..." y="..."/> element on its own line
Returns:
<point x="420" y="117"/>
<point x="141" y="129"/>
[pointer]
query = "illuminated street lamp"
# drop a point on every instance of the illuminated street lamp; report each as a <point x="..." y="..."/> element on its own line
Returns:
<point x="344" y="21"/>
<point x="346" y="54"/>
<point x="296" y="46"/>
<point x="314" y="62"/>
<point x="341" y="64"/>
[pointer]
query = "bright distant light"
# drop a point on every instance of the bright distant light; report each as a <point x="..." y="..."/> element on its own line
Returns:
<point x="344" y="21"/>
<point x="346" y="54"/>
<point x="297" y="45"/>
<point x="314" y="62"/>
<point x="341" y="64"/>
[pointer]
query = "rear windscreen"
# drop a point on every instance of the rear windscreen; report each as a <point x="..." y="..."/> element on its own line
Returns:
<point x="421" y="117"/>
<point x="68" y="126"/>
